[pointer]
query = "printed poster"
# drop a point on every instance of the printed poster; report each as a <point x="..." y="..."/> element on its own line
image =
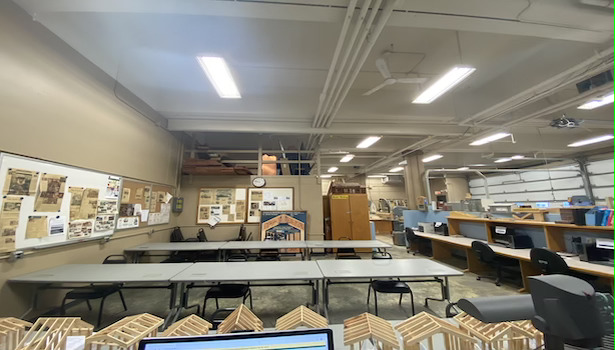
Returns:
<point x="80" y="229"/>
<point x="128" y="222"/>
<point x="113" y="187"/>
<point x="50" y="193"/>
<point x="206" y="196"/>
<point x="20" y="182"/>
<point x="203" y="213"/>
<point x="36" y="227"/>
<point x="104" y="222"/>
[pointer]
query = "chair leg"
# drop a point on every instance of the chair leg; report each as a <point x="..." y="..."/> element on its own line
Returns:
<point x="100" y="312"/>
<point x="63" y="307"/>
<point x="375" y="303"/>
<point x="498" y="275"/>
<point x="217" y="305"/>
<point x="250" y="294"/>
<point x="369" y="291"/>
<point x="89" y="305"/>
<point x="204" y="306"/>
<point x="412" y="302"/>
<point x="401" y="295"/>
<point x="123" y="301"/>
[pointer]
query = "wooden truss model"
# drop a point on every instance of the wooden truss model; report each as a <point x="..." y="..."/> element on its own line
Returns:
<point x="12" y="331"/>
<point x="367" y="327"/>
<point x="49" y="333"/>
<point x="502" y="335"/>
<point x="188" y="326"/>
<point x="426" y="327"/>
<point x="301" y="317"/>
<point x="242" y="319"/>
<point x="125" y="334"/>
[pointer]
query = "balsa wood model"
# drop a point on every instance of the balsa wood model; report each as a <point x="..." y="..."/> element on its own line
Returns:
<point x="49" y="333"/>
<point x="242" y="319"/>
<point x="367" y="327"/>
<point x="426" y="327"/>
<point x="125" y="334"/>
<point x="12" y="331"/>
<point x="499" y="336"/>
<point x="301" y="317"/>
<point x="187" y="326"/>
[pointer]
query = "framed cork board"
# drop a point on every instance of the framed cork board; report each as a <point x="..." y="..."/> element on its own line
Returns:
<point x="144" y="204"/>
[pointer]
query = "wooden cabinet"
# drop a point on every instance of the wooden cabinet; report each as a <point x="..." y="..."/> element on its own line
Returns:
<point x="350" y="216"/>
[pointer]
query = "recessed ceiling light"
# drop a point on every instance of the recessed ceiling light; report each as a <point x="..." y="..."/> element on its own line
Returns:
<point x="432" y="158"/>
<point x="220" y="76"/>
<point x="488" y="139"/>
<point x="518" y="157"/>
<point x="396" y="169"/>
<point x="463" y="168"/>
<point x="403" y="162"/>
<point x="445" y="83"/>
<point x="374" y="176"/>
<point x="332" y="169"/>
<point x="325" y="176"/>
<point x="347" y="158"/>
<point x="590" y="141"/>
<point x="368" y="141"/>
<point x="598" y="102"/>
<point x="503" y="160"/>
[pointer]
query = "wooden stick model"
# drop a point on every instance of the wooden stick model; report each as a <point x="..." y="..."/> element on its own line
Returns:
<point x="499" y="336"/>
<point x="125" y="334"/>
<point x="49" y="333"/>
<point x="301" y="317"/>
<point x="12" y="331"/>
<point x="425" y="327"/>
<point x="367" y="327"/>
<point x="188" y="326"/>
<point x="242" y="319"/>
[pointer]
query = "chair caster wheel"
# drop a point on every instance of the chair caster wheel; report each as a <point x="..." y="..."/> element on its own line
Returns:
<point x="478" y="278"/>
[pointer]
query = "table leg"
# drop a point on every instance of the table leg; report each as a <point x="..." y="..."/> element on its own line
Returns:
<point x="325" y="298"/>
<point x="174" y="308"/>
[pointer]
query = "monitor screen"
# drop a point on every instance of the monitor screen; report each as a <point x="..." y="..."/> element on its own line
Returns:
<point x="308" y="339"/>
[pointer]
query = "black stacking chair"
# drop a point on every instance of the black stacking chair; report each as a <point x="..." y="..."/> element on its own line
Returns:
<point x="392" y="286"/>
<point x="97" y="291"/>
<point x="346" y="253"/>
<point x="486" y="255"/>
<point x="229" y="290"/>
<point x="184" y="256"/>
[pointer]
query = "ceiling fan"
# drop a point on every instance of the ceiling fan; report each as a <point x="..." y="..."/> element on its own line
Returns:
<point x="383" y="67"/>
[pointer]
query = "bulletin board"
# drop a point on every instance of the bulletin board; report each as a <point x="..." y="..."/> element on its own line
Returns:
<point x="46" y="204"/>
<point x="221" y="205"/>
<point x="144" y="204"/>
<point x="271" y="199"/>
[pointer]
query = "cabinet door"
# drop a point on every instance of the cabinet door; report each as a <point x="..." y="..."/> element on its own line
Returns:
<point x="340" y="216"/>
<point x="359" y="212"/>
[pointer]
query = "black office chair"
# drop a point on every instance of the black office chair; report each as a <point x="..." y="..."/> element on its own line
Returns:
<point x="268" y="255"/>
<point x="201" y="236"/>
<point x="388" y="286"/>
<point x="346" y="253"/>
<point x="413" y="240"/>
<point x="97" y="291"/>
<point x="183" y="256"/>
<point x="229" y="290"/>
<point x="486" y="255"/>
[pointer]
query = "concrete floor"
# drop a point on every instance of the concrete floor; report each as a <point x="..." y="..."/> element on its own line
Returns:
<point x="346" y="300"/>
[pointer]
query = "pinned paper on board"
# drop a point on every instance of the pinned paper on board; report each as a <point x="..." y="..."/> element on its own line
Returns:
<point x="76" y="197"/>
<point x="89" y="204"/>
<point x="57" y="225"/>
<point x="144" y="215"/>
<point x="168" y="197"/>
<point x="213" y="220"/>
<point x="106" y="207"/>
<point x="113" y="187"/>
<point x="20" y="182"/>
<point x="80" y="229"/>
<point x="9" y="220"/>
<point x="36" y="227"/>
<point x="104" y="222"/>
<point x="125" y="195"/>
<point x="50" y="194"/>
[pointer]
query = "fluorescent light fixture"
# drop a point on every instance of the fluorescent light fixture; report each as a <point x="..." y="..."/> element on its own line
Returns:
<point x="347" y="158"/>
<point x="518" y="156"/>
<point x="403" y="162"/>
<point x="396" y="169"/>
<point x="368" y="141"/>
<point x="325" y="176"/>
<point x="445" y="83"/>
<point x="432" y="158"/>
<point x="478" y="164"/>
<point x="332" y="169"/>
<point x="601" y="101"/>
<point x="375" y="176"/>
<point x="463" y="168"/>
<point x="590" y="141"/>
<point x="491" y="138"/>
<point x="220" y="76"/>
<point x="503" y="160"/>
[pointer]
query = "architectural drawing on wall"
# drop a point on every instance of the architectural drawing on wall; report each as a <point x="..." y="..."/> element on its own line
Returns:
<point x="283" y="225"/>
<point x="20" y="182"/>
<point x="223" y="205"/>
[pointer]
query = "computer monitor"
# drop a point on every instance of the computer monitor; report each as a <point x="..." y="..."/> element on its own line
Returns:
<point x="304" y="339"/>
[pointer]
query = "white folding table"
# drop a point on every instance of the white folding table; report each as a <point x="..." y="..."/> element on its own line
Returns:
<point x="140" y="250"/>
<point x="354" y="244"/>
<point x="361" y="271"/>
<point x="260" y="245"/>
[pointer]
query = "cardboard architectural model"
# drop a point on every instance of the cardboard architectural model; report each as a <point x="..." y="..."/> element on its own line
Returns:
<point x="50" y="333"/>
<point x="301" y="317"/>
<point x="12" y="331"/>
<point x="125" y="334"/>
<point x="242" y="319"/>
<point x="367" y="327"/>
<point x="425" y="327"/>
<point x="187" y="326"/>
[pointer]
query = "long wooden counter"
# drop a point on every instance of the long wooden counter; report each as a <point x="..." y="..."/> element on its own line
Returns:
<point x="442" y="246"/>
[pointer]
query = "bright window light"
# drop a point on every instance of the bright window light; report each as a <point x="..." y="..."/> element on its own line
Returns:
<point x="347" y="158"/>
<point x="590" y="141"/>
<point x="403" y="162"/>
<point x="325" y="176"/>
<point x="396" y="169"/>
<point x="463" y="168"/>
<point x="432" y="158"/>
<point x="368" y="141"/>
<point x="598" y="102"/>
<point x="220" y="76"/>
<point x="518" y="156"/>
<point x="503" y="160"/>
<point x="491" y="138"/>
<point x="377" y="176"/>
<point x="332" y="169"/>
<point x="445" y="83"/>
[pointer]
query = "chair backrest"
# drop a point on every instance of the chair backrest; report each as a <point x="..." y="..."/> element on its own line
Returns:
<point x="410" y="236"/>
<point x="115" y="259"/>
<point x="237" y="258"/>
<point x="548" y="262"/>
<point x="483" y="251"/>
<point x="177" y="235"/>
<point x="201" y="235"/>
<point x="345" y="250"/>
<point x="381" y="255"/>
<point x="242" y="233"/>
